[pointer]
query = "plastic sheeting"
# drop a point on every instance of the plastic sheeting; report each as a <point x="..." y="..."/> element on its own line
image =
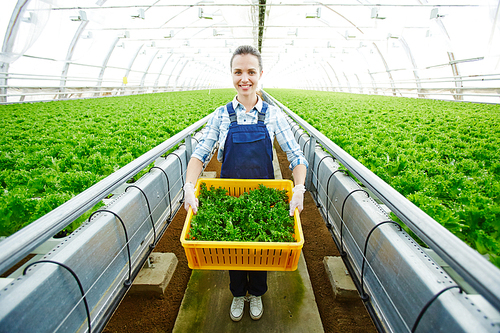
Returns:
<point x="417" y="48"/>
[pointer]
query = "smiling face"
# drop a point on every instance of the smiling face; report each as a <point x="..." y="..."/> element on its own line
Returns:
<point x="246" y="74"/>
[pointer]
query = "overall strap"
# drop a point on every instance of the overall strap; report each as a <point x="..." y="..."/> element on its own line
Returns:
<point x="262" y="113"/>
<point x="230" y="111"/>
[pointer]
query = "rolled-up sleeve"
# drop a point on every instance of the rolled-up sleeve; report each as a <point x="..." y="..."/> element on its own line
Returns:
<point x="209" y="137"/>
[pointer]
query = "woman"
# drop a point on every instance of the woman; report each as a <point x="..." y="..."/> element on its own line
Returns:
<point x="245" y="129"/>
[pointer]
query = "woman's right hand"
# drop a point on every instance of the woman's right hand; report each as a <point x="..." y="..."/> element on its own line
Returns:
<point x="189" y="198"/>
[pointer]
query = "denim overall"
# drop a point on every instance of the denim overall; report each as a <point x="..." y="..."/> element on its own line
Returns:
<point x="248" y="154"/>
<point x="248" y="151"/>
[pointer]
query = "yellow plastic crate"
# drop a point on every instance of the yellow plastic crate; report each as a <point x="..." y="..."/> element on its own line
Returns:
<point x="256" y="256"/>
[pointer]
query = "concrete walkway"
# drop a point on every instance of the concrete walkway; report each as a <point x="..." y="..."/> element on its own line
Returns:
<point x="289" y="304"/>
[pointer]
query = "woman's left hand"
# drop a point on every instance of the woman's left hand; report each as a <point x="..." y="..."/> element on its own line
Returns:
<point x="297" y="198"/>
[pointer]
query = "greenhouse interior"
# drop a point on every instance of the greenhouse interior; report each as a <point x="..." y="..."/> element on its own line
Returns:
<point x="393" y="105"/>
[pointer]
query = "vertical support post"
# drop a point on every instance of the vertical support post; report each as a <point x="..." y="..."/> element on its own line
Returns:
<point x="189" y="147"/>
<point x="310" y="159"/>
<point x="456" y="78"/>
<point x="4" y="70"/>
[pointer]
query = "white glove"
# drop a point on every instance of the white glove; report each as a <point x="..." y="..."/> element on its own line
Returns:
<point x="189" y="198"/>
<point x="297" y="198"/>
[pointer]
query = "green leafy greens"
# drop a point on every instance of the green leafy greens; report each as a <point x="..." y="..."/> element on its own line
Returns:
<point x="52" y="151"/>
<point x="259" y="215"/>
<point x="443" y="156"/>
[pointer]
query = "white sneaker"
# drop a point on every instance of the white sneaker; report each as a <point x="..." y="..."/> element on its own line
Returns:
<point x="256" y="308"/>
<point x="237" y="307"/>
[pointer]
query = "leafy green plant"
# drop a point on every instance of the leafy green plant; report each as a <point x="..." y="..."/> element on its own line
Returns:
<point x="259" y="215"/>
<point x="52" y="151"/>
<point x="442" y="156"/>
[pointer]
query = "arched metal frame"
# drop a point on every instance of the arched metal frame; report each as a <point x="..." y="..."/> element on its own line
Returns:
<point x="105" y="64"/>
<point x="147" y="68"/>
<point x="155" y="87"/>
<point x="414" y="64"/>
<point x="455" y="86"/>
<point x="129" y="67"/>
<point x="171" y="73"/>
<point x="387" y="69"/>
<point x="8" y="45"/>
<point x="456" y="74"/>
<point x="336" y="76"/>
<point x="348" y="83"/>
<point x="179" y="74"/>
<point x="69" y="55"/>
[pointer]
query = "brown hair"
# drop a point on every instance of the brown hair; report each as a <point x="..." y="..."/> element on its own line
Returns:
<point x="246" y="49"/>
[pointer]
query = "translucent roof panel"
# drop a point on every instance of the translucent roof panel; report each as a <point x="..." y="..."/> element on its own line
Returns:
<point x="417" y="48"/>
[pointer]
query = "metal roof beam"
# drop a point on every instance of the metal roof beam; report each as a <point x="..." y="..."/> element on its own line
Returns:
<point x="262" y="16"/>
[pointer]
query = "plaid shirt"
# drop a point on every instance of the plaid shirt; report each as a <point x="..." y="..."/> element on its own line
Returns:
<point x="218" y="127"/>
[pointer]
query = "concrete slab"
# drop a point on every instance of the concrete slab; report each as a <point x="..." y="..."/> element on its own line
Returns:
<point x="208" y="174"/>
<point x="276" y="166"/>
<point x="289" y="304"/>
<point x="341" y="281"/>
<point x="154" y="278"/>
